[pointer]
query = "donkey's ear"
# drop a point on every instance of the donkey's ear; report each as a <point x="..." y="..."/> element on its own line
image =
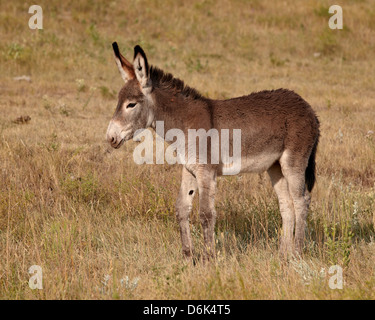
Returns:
<point x="125" y="67"/>
<point x="141" y="69"/>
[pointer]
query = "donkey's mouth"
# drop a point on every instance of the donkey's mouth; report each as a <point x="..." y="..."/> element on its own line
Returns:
<point x="120" y="144"/>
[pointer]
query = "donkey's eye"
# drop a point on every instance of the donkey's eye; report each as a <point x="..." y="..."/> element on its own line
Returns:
<point x="131" y="105"/>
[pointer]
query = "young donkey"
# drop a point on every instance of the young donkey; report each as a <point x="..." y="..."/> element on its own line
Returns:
<point x="279" y="133"/>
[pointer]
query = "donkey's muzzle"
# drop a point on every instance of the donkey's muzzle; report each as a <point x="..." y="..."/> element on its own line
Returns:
<point x="114" y="135"/>
<point x="115" y="141"/>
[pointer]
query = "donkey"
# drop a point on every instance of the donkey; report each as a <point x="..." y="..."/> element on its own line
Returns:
<point x="279" y="134"/>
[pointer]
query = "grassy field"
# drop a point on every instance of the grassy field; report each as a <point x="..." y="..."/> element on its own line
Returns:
<point x="102" y="227"/>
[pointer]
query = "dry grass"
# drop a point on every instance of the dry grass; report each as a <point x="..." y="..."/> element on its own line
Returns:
<point x="82" y="212"/>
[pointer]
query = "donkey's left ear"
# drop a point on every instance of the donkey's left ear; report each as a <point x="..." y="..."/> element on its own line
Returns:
<point x="141" y="69"/>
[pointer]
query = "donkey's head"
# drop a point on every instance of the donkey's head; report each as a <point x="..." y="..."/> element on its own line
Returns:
<point x="135" y="107"/>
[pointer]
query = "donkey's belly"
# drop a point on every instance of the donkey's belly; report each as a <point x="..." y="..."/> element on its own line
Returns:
<point x="251" y="163"/>
<point x="259" y="163"/>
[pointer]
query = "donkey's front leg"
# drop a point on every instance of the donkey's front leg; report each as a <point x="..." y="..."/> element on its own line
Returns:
<point x="206" y="178"/>
<point x="183" y="209"/>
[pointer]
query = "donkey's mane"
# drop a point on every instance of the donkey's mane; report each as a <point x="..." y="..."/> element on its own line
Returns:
<point x="167" y="81"/>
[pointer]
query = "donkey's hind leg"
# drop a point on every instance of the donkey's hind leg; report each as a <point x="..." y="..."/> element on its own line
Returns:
<point x="280" y="185"/>
<point x="293" y="170"/>
<point x="183" y="208"/>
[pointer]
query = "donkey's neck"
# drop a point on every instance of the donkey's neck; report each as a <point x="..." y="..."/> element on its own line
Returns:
<point x="178" y="105"/>
<point x="179" y="111"/>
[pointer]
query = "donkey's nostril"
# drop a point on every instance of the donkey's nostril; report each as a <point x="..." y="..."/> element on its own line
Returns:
<point x="111" y="140"/>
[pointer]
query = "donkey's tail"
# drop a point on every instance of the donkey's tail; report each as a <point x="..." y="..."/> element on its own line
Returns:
<point x="310" y="170"/>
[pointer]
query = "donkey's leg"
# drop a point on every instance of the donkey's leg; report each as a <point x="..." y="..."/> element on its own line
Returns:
<point x="183" y="209"/>
<point x="206" y="178"/>
<point x="301" y="218"/>
<point x="286" y="208"/>
<point x="294" y="172"/>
